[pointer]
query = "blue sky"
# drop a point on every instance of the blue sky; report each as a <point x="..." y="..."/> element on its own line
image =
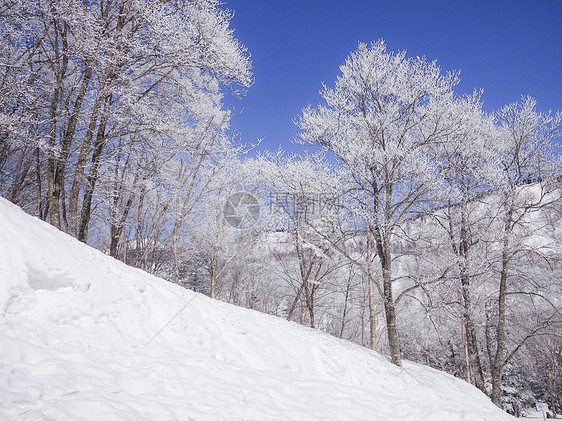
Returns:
<point x="507" y="48"/>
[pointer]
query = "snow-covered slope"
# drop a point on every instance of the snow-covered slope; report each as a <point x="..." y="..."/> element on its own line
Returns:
<point x="78" y="341"/>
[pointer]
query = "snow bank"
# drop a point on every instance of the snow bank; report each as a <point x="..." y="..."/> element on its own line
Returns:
<point x="77" y="342"/>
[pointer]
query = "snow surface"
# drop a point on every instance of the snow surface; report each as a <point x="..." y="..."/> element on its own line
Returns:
<point x="77" y="342"/>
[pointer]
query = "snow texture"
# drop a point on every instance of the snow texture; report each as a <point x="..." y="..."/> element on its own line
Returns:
<point x="78" y="341"/>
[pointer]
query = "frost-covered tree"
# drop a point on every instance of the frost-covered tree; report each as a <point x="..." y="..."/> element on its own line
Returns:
<point x="100" y="73"/>
<point x="525" y="155"/>
<point x="469" y="170"/>
<point x="545" y="354"/>
<point x="380" y="120"/>
<point x="302" y="200"/>
<point x="220" y="243"/>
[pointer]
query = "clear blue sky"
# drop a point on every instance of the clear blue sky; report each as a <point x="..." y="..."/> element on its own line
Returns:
<point x="507" y="48"/>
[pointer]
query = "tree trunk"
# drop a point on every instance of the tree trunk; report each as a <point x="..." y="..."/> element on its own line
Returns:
<point x="295" y="302"/>
<point x="85" y="214"/>
<point x="40" y="208"/>
<point x="372" y="316"/>
<point x="80" y="168"/>
<point x="392" y="331"/>
<point x="369" y="253"/>
<point x="474" y="365"/>
<point x="138" y="231"/>
<point x="175" y="238"/>
<point x="115" y="234"/>
<point x="474" y="371"/>
<point x="498" y="361"/>
<point x="497" y="374"/>
<point x="214" y="275"/>
<point x="345" y="305"/>
<point x="54" y="170"/>
<point x="385" y="258"/>
<point x="310" y="304"/>
<point x="118" y="219"/>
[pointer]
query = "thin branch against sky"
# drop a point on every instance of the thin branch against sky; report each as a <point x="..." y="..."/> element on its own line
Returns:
<point x="506" y="48"/>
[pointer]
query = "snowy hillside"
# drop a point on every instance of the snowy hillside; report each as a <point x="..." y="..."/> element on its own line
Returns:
<point x="78" y="341"/>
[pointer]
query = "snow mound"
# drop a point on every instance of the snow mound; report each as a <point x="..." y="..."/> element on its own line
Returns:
<point x="79" y="341"/>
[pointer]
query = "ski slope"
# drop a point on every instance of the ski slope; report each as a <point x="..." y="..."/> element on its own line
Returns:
<point x="85" y="337"/>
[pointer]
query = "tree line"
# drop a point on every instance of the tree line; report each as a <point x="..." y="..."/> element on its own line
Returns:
<point x="426" y="228"/>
